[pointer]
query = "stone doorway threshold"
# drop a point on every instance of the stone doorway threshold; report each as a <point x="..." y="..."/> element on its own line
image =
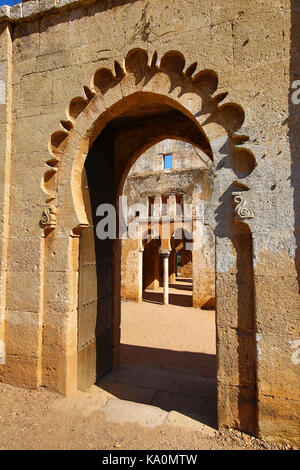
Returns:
<point x="150" y="397"/>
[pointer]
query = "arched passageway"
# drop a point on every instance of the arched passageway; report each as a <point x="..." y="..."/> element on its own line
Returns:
<point x="100" y="257"/>
<point x="125" y="114"/>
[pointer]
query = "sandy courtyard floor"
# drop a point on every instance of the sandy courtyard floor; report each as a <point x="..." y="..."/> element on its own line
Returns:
<point x="167" y="357"/>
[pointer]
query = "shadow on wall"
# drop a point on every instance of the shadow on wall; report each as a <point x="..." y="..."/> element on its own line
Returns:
<point x="241" y="238"/>
<point x="247" y="400"/>
<point x="294" y="124"/>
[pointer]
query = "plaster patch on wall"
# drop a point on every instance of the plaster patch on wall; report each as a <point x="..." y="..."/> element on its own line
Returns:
<point x="26" y="318"/>
<point x="258" y="348"/>
<point x="2" y="352"/>
<point x="277" y="242"/>
<point x="209" y="246"/>
<point x="295" y="344"/>
<point x="225" y="258"/>
<point x="2" y="92"/>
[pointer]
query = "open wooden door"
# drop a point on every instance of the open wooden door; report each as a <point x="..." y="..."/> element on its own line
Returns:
<point x="95" y="306"/>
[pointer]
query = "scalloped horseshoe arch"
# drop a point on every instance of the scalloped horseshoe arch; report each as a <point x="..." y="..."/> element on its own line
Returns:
<point x="140" y="81"/>
<point x="166" y="80"/>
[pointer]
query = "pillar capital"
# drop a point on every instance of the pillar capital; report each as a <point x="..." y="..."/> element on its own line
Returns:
<point x="165" y="252"/>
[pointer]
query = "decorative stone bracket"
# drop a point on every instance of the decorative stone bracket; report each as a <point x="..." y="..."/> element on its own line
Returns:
<point x="48" y="219"/>
<point x="241" y="210"/>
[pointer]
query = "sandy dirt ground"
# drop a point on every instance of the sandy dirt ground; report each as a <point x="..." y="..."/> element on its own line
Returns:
<point x="42" y="420"/>
<point x="163" y="395"/>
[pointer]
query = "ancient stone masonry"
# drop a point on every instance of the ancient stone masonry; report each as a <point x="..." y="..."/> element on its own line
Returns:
<point x="86" y="87"/>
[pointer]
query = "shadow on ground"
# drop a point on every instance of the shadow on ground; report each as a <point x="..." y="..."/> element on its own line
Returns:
<point x="181" y="300"/>
<point x="184" y="279"/>
<point x="171" y="380"/>
<point x="181" y="287"/>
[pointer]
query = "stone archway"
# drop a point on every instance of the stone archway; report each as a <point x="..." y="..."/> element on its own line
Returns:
<point x="144" y="82"/>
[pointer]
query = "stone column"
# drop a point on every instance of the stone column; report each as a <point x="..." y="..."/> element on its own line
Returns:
<point x="165" y="254"/>
<point x="172" y="267"/>
<point x="140" y="274"/>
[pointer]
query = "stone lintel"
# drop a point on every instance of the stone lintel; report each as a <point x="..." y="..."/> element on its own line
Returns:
<point x="34" y="8"/>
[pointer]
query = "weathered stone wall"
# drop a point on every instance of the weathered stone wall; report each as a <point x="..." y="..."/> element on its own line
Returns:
<point x="48" y="51"/>
<point x="191" y="174"/>
<point x="184" y="156"/>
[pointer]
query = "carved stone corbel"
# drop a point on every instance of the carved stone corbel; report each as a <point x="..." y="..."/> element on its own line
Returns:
<point x="241" y="210"/>
<point x="48" y="219"/>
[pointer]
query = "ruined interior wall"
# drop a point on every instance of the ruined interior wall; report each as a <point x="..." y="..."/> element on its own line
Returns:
<point x="184" y="156"/>
<point x="248" y="45"/>
<point x="192" y="182"/>
<point x="191" y="175"/>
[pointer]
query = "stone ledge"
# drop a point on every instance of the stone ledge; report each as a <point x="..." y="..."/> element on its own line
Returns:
<point x="33" y="8"/>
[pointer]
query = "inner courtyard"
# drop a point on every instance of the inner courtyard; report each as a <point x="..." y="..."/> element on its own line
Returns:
<point x="167" y="358"/>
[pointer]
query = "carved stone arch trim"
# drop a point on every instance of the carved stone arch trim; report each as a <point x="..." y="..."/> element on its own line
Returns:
<point x="193" y="93"/>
